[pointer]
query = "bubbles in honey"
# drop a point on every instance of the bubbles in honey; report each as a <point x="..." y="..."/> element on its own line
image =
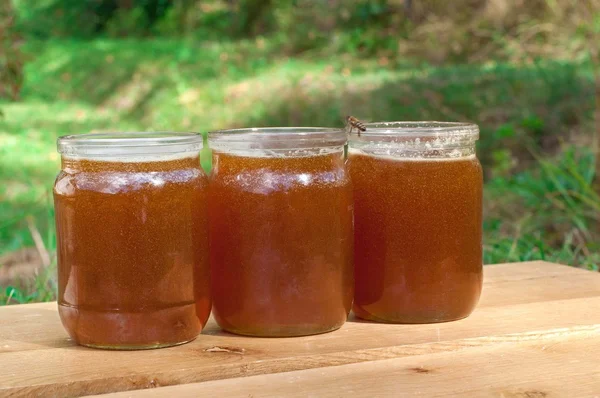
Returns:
<point x="132" y="251"/>
<point x="418" y="237"/>
<point x="281" y="243"/>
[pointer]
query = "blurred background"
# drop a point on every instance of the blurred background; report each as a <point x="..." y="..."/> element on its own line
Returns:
<point x="526" y="71"/>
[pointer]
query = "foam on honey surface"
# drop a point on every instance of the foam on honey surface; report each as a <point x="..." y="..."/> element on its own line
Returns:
<point x="137" y="158"/>
<point x="399" y="155"/>
<point x="281" y="153"/>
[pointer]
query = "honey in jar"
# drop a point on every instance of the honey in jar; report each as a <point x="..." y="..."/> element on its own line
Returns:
<point x="418" y="221"/>
<point x="133" y="267"/>
<point x="280" y="215"/>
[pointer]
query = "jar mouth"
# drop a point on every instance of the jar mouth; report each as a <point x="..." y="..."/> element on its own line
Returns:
<point x="129" y="143"/>
<point x="425" y="129"/>
<point x="417" y="140"/>
<point x="287" y="138"/>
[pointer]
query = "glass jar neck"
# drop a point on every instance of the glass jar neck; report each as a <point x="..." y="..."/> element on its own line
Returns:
<point x="130" y="147"/>
<point x="417" y="140"/>
<point x="278" y="141"/>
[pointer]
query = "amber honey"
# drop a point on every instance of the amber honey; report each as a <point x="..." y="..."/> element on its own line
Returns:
<point x="132" y="251"/>
<point x="281" y="243"/>
<point x="418" y="250"/>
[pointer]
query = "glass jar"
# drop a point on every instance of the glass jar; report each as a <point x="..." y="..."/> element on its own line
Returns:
<point x="132" y="232"/>
<point x="280" y="222"/>
<point x="418" y="221"/>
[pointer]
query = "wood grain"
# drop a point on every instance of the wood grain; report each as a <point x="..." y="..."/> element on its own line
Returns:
<point x="554" y="366"/>
<point x="522" y="304"/>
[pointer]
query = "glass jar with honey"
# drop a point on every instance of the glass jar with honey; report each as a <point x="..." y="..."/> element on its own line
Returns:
<point x="133" y="266"/>
<point x="418" y="221"/>
<point x="280" y="227"/>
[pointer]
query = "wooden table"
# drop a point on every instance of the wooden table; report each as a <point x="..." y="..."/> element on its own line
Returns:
<point x="535" y="333"/>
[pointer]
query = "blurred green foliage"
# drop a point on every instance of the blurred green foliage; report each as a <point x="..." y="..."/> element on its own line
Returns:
<point x="85" y="19"/>
<point x="434" y="30"/>
<point x="11" y="59"/>
<point x="548" y="213"/>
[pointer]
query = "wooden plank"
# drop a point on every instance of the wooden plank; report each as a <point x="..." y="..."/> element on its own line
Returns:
<point x="516" y="300"/>
<point x="536" y="282"/>
<point x="558" y="365"/>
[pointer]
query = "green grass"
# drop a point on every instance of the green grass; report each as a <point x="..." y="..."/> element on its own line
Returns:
<point x="549" y="213"/>
<point x="41" y="288"/>
<point x="539" y="202"/>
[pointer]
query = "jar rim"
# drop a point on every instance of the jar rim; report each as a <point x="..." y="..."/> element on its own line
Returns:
<point x="425" y="139"/>
<point x="275" y="136"/>
<point x="409" y="129"/>
<point x="129" y="143"/>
